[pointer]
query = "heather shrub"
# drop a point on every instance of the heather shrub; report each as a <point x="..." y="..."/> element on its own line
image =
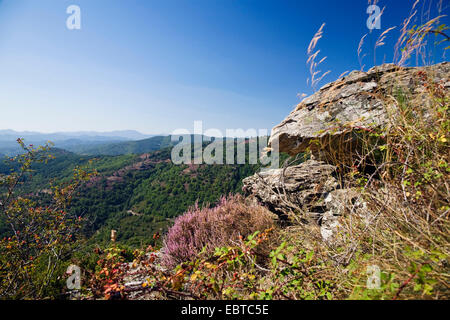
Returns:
<point x="208" y="228"/>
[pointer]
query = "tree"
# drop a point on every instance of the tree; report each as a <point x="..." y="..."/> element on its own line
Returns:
<point x="41" y="234"/>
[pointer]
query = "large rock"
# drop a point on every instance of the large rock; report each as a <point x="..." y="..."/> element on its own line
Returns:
<point x="298" y="189"/>
<point x="308" y="192"/>
<point x="327" y="117"/>
<point x="325" y="124"/>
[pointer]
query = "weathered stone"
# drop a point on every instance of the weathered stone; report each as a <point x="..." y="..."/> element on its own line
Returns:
<point x="297" y="189"/>
<point x="325" y="124"/>
<point x="338" y="203"/>
<point x="353" y="102"/>
<point x="309" y="191"/>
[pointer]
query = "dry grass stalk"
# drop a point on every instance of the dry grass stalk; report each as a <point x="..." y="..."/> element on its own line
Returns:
<point x="316" y="75"/>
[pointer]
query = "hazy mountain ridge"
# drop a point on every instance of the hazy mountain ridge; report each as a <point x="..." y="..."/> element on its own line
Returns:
<point x="125" y="147"/>
<point x="7" y="135"/>
<point x="72" y="141"/>
<point x="134" y="147"/>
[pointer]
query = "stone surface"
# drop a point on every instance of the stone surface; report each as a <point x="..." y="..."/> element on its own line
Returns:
<point x="298" y="189"/>
<point x="338" y="203"/>
<point x="324" y="124"/>
<point x="137" y="274"/>
<point x="310" y="192"/>
<point x="349" y="103"/>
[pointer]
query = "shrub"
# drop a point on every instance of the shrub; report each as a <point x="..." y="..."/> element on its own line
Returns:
<point x="208" y="228"/>
<point x="41" y="235"/>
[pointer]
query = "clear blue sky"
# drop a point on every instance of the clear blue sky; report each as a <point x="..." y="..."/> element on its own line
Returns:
<point x="158" y="65"/>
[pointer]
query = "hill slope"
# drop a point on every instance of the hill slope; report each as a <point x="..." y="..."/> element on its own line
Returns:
<point x="127" y="147"/>
<point x="72" y="141"/>
<point x="136" y="194"/>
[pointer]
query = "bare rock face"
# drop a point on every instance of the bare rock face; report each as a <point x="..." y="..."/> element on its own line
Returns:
<point x="298" y="189"/>
<point x="309" y="192"/>
<point x="352" y="102"/>
<point x="326" y="122"/>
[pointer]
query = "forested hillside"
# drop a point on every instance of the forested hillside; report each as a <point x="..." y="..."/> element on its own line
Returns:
<point x="136" y="194"/>
<point x="125" y="147"/>
<point x="72" y="141"/>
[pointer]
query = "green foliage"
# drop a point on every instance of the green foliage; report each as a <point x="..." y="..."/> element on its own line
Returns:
<point x="127" y="147"/>
<point x="107" y="279"/>
<point x="39" y="237"/>
<point x="157" y="192"/>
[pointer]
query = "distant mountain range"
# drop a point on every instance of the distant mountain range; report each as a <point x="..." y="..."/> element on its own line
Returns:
<point x="90" y="143"/>
<point x="7" y="135"/>
<point x="129" y="147"/>
<point x="124" y="147"/>
<point x="72" y="141"/>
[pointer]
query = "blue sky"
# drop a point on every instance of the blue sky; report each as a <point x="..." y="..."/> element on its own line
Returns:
<point x="158" y="65"/>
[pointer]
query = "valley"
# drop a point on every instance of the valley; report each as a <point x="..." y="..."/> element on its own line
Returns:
<point x="137" y="194"/>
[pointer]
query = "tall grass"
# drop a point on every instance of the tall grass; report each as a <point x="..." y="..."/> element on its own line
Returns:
<point x="404" y="229"/>
<point x="313" y="60"/>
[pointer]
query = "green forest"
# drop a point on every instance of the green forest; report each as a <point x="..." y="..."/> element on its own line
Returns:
<point x="135" y="194"/>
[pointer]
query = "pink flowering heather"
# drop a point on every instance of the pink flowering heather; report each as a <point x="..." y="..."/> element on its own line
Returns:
<point x="212" y="227"/>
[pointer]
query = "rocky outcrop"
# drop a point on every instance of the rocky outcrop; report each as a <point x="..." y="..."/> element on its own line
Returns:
<point x="325" y="124"/>
<point x="297" y="189"/>
<point x="353" y="102"/>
